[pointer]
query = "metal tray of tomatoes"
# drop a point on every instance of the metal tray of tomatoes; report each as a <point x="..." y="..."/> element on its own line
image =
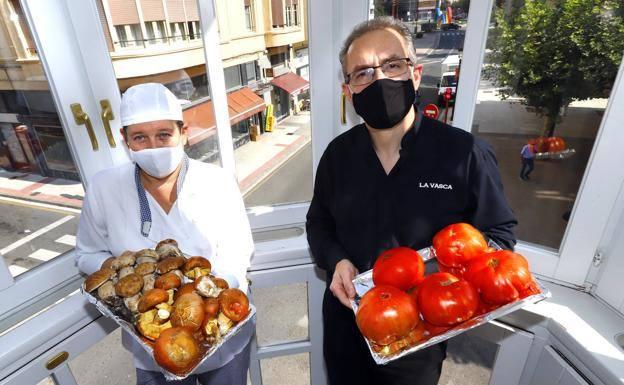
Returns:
<point x="127" y="326"/>
<point x="364" y="282"/>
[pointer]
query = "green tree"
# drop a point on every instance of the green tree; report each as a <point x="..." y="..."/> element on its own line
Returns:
<point x="552" y="52"/>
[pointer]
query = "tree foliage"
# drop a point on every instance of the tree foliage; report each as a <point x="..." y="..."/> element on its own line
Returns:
<point x="552" y="52"/>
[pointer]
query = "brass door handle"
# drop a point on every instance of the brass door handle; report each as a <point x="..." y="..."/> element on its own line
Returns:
<point x="107" y="116"/>
<point x="81" y="118"/>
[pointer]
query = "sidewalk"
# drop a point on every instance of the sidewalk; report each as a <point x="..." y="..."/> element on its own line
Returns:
<point x="254" y="162"/>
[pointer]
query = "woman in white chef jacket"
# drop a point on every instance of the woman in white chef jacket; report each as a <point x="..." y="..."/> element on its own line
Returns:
<point x="164" y="194"/>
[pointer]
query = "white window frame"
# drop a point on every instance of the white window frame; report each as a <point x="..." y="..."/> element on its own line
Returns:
<point x="601" y="182"/>
<point x="69" y="81"/>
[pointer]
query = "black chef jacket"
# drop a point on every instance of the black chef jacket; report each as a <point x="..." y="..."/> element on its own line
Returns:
<point x="444" y="175"/>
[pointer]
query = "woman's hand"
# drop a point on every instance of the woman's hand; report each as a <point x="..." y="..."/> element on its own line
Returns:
<point x="341" y="285"/>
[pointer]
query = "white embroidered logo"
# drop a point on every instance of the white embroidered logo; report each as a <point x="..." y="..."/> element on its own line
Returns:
<point x="441" y="186"/>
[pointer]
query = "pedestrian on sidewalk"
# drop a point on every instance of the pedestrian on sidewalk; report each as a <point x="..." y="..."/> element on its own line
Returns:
<point x="163" y="194"/>
<point x="394" y="180"/>
<point x="527" y="156"/>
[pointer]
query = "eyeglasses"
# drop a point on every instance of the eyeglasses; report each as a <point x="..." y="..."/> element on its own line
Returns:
<point x="391" y="68"/>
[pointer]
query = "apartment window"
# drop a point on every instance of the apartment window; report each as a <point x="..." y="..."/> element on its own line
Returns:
<point x="249" y="71"/>
<point x="129" y="35"/>
<point x="295" y="14"/>
<point x="278" y="59"/>
<point x="177" y="31"/>
<point x="232" y="78"/>
<point x="193" y="30"/>
<point x="249" y="17"/>
<point x="288" y="16"/>
<point x="155" y="32"/>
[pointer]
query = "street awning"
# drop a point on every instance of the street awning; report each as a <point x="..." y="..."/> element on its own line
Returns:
<point x="200" y="118"/>
<point x="291" y="83"/>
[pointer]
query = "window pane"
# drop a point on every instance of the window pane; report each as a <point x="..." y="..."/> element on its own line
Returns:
<point x="39" y="181"/>
<point x="276" y="325"/>
<point x="469" y="362"/>
<point x="181" y="68"/>
<point x="438" y="37"/>
<point x="292" y="370"/>
<point x="548" y="72"/>
<point x="272" y="139"/>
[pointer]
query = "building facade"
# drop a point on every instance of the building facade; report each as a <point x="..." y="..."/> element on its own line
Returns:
<point x="264" y="55"/>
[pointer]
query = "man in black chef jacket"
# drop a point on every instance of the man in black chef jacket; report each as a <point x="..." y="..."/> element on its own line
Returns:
<point x="393" y="181"/>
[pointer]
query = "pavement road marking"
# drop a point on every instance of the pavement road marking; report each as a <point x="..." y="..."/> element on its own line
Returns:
<point x="34" y="235"/>
<point x="69" y="240"/>
<point x="16" y="270"/>
<point x="38" y="205"/>
<point x="44" y="255"/>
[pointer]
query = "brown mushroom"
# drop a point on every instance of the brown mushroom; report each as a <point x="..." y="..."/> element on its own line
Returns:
<point x="188" y="311"/>
<point x="152" y="298"/>
<point x="234" y="304"/>
<point x="132" y="303"/>
<point x="168" y="281"/>
<point x="125" y="271"/>
<point x="221" y="283"/>
<point x="146" y="255"/>
<point x="106" y="291"/>
<point x="145" y="268"/>
<point x="129" y="285"/>
<point x="211" y="307"/>
<point x="98" y="278"/>
<point x="150" y="325"/>
<point x="206" y="287"/>
<point x="196" y="267"/>
<point x="125" y="259"/>
<point x="184" y="289"/>
<point x="168" y="264"/>
<point x="148" y="282"/>
<point x="108" y="263"/>
<point x="166" y="242"/>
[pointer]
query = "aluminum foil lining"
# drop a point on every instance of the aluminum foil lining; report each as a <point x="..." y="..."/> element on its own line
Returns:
<point x="364" y="282"/>
<point x="103" y="308"/>
<point x="556" y="155"/>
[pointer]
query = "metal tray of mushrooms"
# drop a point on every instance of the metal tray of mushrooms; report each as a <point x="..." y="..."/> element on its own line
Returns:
<point x="364" y="282"/>
<point x="137" y="291"/>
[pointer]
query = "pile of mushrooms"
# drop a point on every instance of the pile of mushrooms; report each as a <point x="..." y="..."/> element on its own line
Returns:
<point x="160" y="289"/>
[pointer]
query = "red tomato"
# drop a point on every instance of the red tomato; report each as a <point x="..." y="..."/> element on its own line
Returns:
<point x="445" y="300"/>
<point x="500" y="276"/>
<point x="531" y="289"/>
<point x="456" y="244"/>
<point x="400" y="267"/>
<point x="456" y="271"/>
<point x="386" y="314"/>
<point x="434" y="330"/>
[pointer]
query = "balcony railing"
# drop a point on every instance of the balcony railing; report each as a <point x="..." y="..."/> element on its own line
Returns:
<point x="157" y="41"/>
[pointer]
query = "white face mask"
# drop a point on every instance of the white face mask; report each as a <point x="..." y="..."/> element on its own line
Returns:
<point x="159" y="162"/>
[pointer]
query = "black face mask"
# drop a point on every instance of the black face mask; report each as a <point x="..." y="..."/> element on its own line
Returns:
<point x="385" y="102"/>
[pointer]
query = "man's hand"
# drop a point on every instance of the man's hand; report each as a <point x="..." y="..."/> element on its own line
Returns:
<point x="341" y="285"/>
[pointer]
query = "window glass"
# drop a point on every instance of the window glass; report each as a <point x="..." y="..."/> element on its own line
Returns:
<point x="292" y="369"/>
<point x="232" y="77"/>
<point x="270" y="111"/>
<point x="180" y="67"/>
<point x="40" y="189"/>
<point x="438" y="30"/>
<point x="548" y="72"/>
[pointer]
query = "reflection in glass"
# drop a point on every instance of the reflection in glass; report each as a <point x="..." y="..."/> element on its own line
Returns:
<point x="548" y="72"/>
<point x="276" y="325"/>
<point x="36" y="164"/>
<point x="438" y="30"/>
<point x="291" y="370"/>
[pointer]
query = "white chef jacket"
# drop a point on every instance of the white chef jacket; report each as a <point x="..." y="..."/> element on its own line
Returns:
<point x="207" y="219"/>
